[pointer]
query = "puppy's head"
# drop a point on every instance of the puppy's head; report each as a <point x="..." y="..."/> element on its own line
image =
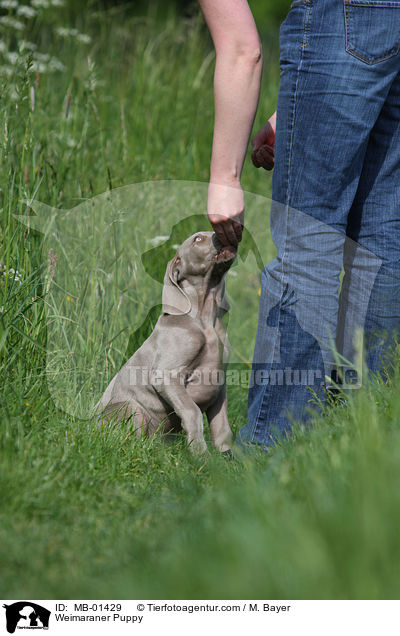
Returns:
<point x="198" y="260"/>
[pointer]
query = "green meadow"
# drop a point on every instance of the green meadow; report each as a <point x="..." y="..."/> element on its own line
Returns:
<point x="105" y="136"/>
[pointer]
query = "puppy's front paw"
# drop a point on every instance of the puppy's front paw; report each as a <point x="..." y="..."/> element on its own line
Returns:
<point x="198" y="446"/>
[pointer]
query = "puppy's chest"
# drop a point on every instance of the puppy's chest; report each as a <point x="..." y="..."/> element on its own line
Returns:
<point x="205" y="378"/>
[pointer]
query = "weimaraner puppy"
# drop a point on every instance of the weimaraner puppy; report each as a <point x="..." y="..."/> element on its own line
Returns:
<point x="178" y="372"/>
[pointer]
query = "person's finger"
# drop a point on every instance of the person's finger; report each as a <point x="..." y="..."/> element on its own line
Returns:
<point x="267" y="157"/>
<point x="254" y="158"/>
<point x="266" y="152"/>
<point x="237" y="228"/>
<point x="263" y="157"/>
<point x="218" y="223"/>
<point x="237" y="224"/>
<point x="230" y="233"/>
<point x="225" y="232"/>
<point x="219" y="232"/>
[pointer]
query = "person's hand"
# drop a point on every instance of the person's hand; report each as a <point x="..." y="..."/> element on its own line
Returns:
<point x="264" y="145"/>
<point x="226" y="212"/>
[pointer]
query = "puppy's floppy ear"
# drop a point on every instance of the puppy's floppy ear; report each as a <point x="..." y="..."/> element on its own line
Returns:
<point x="174" y="299"/>
<point x="223" y="304"/>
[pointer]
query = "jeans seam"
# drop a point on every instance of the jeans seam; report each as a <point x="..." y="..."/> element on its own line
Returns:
<point x="355" y="3"/>
<point x="306" y="24"/>
<point x="390" y="54"/>
<point x="289" y="149"/>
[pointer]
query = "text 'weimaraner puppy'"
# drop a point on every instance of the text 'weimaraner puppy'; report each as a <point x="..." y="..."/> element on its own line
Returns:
<point x="178" y="372"/>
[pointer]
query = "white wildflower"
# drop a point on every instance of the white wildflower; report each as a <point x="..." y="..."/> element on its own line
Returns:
<point x="11" y="273"/>
<point x="64" y="33"/>
<point x="24" y="45"/>
<point x="56" y="65"/>
<point x="39" y="67"/>
<point x="42" y="57"/>
<point x="40" y="4"/>
<point x="73" y="33"/>
<point x="84" y="38"/>
<point x="71" y="143"/>
<point x="3" y="46"/>
<point x="6" y="70"/>
<point x="12" y="57"/>
<point x="43" y="63"/>
<point x="11" y="23"/>
<point x="26" y="12"/>
<point x="8" y="4"/>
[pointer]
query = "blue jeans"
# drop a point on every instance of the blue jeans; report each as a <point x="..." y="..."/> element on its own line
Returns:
<point x="335" y="211"/>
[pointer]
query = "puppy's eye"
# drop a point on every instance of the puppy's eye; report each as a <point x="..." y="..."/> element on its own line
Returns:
<point x="198" y="239"/>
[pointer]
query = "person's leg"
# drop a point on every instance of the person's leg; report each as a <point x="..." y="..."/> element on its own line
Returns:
<point x="374" y="222"/>
<point x="328" y="103"/>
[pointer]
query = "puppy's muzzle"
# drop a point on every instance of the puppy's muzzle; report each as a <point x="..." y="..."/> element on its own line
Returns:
<point x="224" y="253"/>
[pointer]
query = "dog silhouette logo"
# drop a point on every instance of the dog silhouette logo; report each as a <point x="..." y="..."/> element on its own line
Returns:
<point x="26" y="615"/>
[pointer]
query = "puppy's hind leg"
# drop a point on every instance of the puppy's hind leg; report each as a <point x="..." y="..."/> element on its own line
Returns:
<point x="118" y="412"/>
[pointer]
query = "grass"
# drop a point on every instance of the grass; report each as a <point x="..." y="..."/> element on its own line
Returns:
<point x="88" y="514"/>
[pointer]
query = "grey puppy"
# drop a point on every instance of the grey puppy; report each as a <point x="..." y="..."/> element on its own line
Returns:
<point x="177" y="374"/>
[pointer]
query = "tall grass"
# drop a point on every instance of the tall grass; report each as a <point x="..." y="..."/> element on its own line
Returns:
<point x="106" y="515"/>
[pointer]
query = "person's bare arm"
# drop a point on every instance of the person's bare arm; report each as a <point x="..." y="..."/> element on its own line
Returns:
<point x="237" y="80"/>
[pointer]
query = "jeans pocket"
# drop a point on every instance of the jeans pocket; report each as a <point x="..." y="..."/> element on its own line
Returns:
<point x="372" y="29"/>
